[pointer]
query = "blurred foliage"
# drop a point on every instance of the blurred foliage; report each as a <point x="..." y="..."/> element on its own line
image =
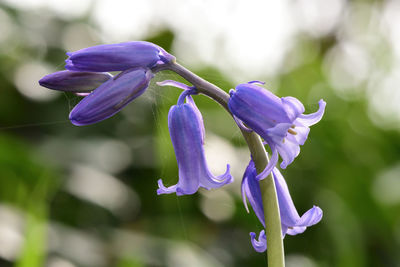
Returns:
<point x="40" y="151"/>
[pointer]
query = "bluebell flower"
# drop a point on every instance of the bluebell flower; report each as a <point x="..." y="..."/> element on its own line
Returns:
<point x="111" y="96"/>
<point x="74" y="81"/>
<point x="279" y="121"/>
<point x="292" y="223"/>
<point x="186" y="128"/>
<point x="117" y="57"/>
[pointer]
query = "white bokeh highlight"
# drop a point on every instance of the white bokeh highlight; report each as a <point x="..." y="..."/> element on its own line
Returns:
<point x="26" y="79"/>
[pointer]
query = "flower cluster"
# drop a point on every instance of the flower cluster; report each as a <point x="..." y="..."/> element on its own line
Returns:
<point x="105" y="95"/>
<point x="279" y="121"/>
<point x="284" y="127"/>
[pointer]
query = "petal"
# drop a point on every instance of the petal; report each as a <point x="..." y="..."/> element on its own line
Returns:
<point x="251" y="190"/>
<point x="288" y="212"/>
<point x="174" y="84"/>
<point x="245" y="191"/>
<point x="198" y="117"/>
<point x="209" y="181"/>
<point x="311" y="217"/>
<point x="284" y="230"/>
<point x="259" y="245"/>
<point x="114" y="57"/>
<point x="313" y="118"/>
<point x="186" y="134"/>
<point x="278" y="132"/>
<point x="289" y="149"/>
<point x="301" y="133"/>
<point x="293" y="107"/>
<point x="110" y="97"/>
<point x="296" y="230"/>
<point x="74" y="81"/>
<point x="271" y="164"/>
<point x="241" y="124"/>
<point x="289" y="215"/>
<point x="165" y="190"/>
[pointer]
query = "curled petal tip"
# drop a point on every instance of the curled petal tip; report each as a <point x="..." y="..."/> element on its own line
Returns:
<point x="165" y="190"/>
<point x="226" y="178"/>
<point x="313" y="118"/>
<point x="311" y="217"/>
<point x="227" y="172"/>
<point x="259" y="245"/>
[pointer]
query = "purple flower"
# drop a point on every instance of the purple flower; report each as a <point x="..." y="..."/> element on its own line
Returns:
<point x="110" y="97"/>
<point x="279" y="121"/>
<point x="117" y="57"/>
<point x="292" y="223"/>
<point x="74" y="81"/>
<point x="187" y="134"/>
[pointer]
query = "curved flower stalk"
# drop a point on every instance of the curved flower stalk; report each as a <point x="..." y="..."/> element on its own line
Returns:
<point x="117" y="57"/>
<point x="292" y="223"/>
<point x="279" y="121"/>
<point x="187" y="134"/>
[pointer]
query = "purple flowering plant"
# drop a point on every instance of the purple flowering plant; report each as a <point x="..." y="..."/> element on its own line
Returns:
<point x="263" y="118"/>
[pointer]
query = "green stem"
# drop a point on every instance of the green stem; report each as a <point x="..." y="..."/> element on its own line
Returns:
<point x="275" y="250"/>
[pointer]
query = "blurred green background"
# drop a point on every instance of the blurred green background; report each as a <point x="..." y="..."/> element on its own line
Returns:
<point x="86" y="196"/>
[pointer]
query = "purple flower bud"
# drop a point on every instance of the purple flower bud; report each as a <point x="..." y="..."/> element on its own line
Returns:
<point x="279" y="121"/>
<point x="74" y="81"/>
<point x="110" y="97"/>
<point x="292" y="223"/>
<point x="117" y="57"/>
<point x="186" y="129"/>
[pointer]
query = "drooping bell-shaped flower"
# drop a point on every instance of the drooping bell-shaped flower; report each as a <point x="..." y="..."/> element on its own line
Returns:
<point x="111" y="96"/>
<point x="186" y="128"/>
<point x="279" y="121"/>
<point x="117" y="57"/>
<point x="291" y="222"/>
<point x="74" y="81"/>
